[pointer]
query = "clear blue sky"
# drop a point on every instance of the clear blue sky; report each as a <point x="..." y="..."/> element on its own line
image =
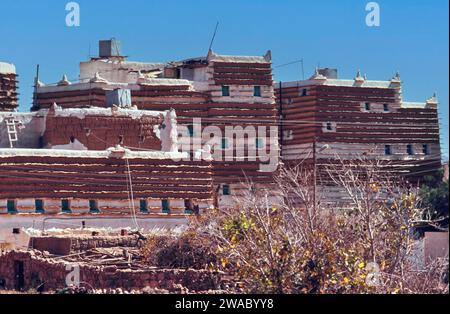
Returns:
<point x="412" y="38"/>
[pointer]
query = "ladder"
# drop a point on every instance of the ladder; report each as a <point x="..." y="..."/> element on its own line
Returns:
<point x="11" y="130"/>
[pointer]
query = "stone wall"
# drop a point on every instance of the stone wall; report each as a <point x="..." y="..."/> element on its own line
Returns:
<point x="38" y="270"/>
<point x="64" y="245"/>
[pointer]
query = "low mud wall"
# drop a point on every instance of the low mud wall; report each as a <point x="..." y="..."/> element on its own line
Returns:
<point x="30" y="269"/>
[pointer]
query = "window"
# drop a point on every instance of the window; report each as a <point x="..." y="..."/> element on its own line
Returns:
<point x="225" y="90"/>
<point x="385" y="107"/>
<point x="65" y="206"/>
<point x="41" y="142"/>
<point x="93" y="206"/>
<point x="387" y="150"/>
<point x="224" y="143"/>
<point x="191" y="130"/>
<point x="409" y="149"/>
<point x="143" y="206"/>
<point x="367" y="106"/>
<point x="287" y="135"/>
<point x="165" y="206"/>
<point x="425" y="149"/>
<point x="259" y="143"/>
<point x="304" y="92"/>
<point x="39" y="205"/>
<point x="11" y="206"/>
<point x="257" y="91"/>
<point x="226" y="189"/>
<point x="329" y="126"/>
<point x="188" y="206"/>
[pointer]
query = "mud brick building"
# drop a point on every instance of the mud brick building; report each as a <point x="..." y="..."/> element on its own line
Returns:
<point x="8" y="87"/>
<point x="222" y="91"/>
<point x="326" y="118"/>
<point x="80" y="161"/>
<point x="145" y="107"/>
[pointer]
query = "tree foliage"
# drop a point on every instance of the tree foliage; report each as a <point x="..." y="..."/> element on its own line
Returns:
<point x="303" y="246"/>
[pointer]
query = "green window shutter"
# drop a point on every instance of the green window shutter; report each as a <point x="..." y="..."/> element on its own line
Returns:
<point x="93" y="206"/>
<point x="143" y="206"/>
<point x="259" y="143"/>
<point x="257" y="91"/>
<point x="225" y="90"/>
<point x="65" y="206"/>
<point x="226" y="189"/>
<point x="11" y="206"/>
<point x="165" y="206"/>
<point x="191" y="130"/>
<point x="224" y="143"/>
<point x="39" y="205"/>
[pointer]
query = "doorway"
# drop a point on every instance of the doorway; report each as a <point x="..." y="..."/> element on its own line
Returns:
<point x="19" y="283"/>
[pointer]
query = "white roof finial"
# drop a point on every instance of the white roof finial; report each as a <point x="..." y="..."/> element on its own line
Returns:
<point x="64" y="81"/>
<point x="433" y="99"/>
<point x="38" y="83"/>
<point x="98" y="79"/>
<point x="318" y="76"/>
<point x="358" y="77"/>
<point x="268" y="56"/>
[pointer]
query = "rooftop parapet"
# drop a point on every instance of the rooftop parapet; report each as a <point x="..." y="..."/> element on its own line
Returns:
<point x="7" y="68"/>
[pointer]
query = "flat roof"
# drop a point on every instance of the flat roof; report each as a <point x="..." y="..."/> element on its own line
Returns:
<point x="7" y="68"/>
<point x="27" y="152"/>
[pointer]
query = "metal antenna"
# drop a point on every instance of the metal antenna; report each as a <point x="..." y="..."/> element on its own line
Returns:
<point x="303" y="70"/>
<point x="293" y="62"/>
<point x="36" y="80"/>
<point x="214" y="36"/>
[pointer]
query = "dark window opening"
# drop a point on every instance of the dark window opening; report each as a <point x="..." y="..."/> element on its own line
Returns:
<point x="11" y="206"/>
<point x="143" y="206"/>
<point x="367" y="106"/>
<point x="165" y="206"/>
<point x="39" y="205"/>
<point x="385" y="107"/>
<point x="304" y="92"/>
<point x="188" y="206"/>
<point x="257" y="91"/>
<point x="41" y="142"/>
<point x="387" y="150"/>
<point x="191" y="130"/>
<point x="225" y="90"/>
<point x="409" y="149"/>
<point x="19" y="276"/>
<point x="329" y="126"/>
<point x="65" y="206"/>
<point x="72" y="139"/>
<point x="226" y="189"/>
<point x="259" y="143"/>
<point x="120" y="139"/>
<point x="224" y="143"/>
<point x="425" y="149"/>
<point x="93" y="206"/>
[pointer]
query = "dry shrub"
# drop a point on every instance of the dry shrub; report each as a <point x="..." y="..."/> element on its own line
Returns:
<point x="184" y="251"/>
<point x="365" y="247"/>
